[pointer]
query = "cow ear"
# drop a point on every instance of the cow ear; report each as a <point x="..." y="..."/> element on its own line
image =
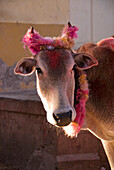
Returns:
<point x="26" y="66"/>
<point x="84" y="61"/>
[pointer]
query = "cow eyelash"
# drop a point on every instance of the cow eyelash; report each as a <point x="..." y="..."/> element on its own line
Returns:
<point x="39" y="71"/>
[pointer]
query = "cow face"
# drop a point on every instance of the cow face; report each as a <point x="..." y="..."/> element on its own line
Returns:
<point x="55" y="81"/>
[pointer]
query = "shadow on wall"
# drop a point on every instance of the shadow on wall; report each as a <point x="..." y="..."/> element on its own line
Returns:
<point x="9" y="81"/>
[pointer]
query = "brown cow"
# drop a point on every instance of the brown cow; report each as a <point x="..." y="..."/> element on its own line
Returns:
<point x="55" y="65"/>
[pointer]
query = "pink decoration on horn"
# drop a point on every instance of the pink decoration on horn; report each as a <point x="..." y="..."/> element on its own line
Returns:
<point x="35" y="42"/>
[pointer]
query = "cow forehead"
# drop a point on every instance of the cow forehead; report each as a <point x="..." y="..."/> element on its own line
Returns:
<point x="56" y="59"/>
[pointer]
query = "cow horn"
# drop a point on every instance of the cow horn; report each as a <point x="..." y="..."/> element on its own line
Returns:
<point x="32" y="30"/>
<point x="69" y="24"/>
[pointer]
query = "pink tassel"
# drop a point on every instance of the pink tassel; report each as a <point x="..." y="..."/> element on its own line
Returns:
<point x="70" y="31"/>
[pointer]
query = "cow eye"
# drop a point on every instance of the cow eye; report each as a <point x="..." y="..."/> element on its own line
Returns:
<point x="39" y="71"/>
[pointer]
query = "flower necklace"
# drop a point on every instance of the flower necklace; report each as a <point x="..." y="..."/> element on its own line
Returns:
<point x="82" y="95"/>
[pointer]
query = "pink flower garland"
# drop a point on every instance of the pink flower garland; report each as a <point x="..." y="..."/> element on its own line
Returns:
<point x="82" y="95"/>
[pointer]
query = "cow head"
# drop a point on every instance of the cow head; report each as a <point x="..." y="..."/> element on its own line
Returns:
<point x="54" y="69"/>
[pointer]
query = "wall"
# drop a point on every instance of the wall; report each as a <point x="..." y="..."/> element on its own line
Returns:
<point x="29" y="142"/>
<point x="95" y="19"/>
<point x="37" y="12"/>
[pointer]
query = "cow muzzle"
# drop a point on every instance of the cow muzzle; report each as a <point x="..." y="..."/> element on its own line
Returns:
<point x="63" y="119"/>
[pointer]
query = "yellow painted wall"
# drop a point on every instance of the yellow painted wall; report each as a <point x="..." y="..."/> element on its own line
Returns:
<point x="11" y="34"/>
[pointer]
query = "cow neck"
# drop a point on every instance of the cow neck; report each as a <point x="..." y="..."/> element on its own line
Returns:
<point x="81" y="95"/>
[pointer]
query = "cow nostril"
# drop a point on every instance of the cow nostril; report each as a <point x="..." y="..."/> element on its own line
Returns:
<point x="70" y="115"/>
<point x="63" y="119"/>
<point x="56" y="117"/>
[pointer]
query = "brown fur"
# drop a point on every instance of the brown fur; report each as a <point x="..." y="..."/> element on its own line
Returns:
<point x="100" y="106"/>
